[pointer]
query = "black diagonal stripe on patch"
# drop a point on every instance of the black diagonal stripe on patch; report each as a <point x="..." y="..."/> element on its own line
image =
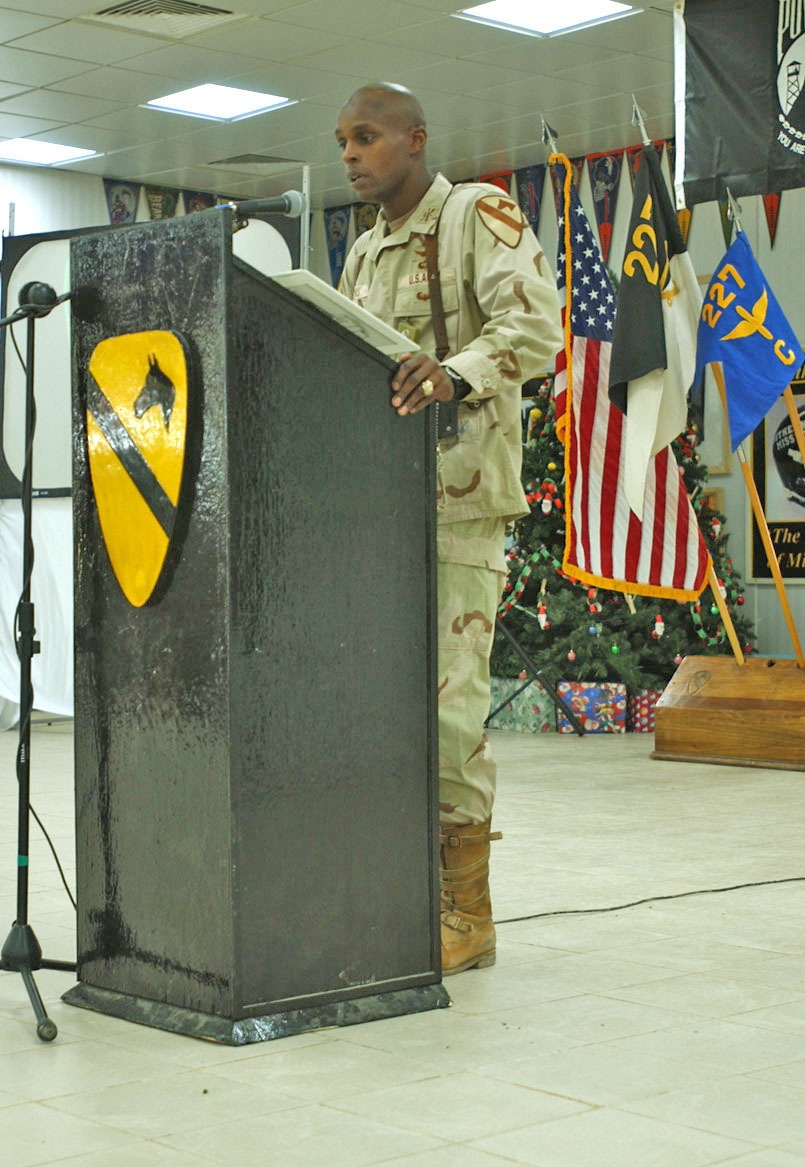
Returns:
<point x="134" y="463"/>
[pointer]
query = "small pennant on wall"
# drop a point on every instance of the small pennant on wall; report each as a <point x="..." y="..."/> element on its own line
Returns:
<point x="162" y="201"/>
<point x="198" y="200"/>
<point x="634" y="154"/>
<point x="365" y="215"/>
<point x="530" y="183"/>
<point x="336" y="228"/>
<point x="771" y="205"/>
<point x="121" y="200"/>
<point x="605" y="176"/>
<point x="499" y="178"/>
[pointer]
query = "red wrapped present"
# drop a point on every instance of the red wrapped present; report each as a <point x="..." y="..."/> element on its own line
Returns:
<point x="640" y="710"/>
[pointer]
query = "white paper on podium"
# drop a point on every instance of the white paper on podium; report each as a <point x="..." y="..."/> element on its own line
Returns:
<point x="361" y="323"/>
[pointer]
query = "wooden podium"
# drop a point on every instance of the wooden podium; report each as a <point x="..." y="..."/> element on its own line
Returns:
<point x="256" y="740"/>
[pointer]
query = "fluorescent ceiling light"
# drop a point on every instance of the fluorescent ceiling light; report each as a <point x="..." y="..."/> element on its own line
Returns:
<point x="546" y="17"/>
<point x="219" y="103"/>
<point x="40" y="153"/>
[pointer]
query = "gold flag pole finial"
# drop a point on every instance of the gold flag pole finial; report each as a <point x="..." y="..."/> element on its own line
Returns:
<point x="637" y="120"/>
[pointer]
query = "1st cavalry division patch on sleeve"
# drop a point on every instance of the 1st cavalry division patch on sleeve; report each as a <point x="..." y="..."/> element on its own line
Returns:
<point x="502" y="217"/>
<point x="136" y="434"/>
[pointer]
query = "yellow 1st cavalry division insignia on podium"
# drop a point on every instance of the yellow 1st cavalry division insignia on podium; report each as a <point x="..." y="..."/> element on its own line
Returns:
<point x="137" y="431"/>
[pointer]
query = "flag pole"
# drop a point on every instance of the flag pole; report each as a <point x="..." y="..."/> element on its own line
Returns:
<point x="637" y="120"/>
<point x="763" y="526"/>
<point x="724" y="613"/>
<point x="548" y="136"/>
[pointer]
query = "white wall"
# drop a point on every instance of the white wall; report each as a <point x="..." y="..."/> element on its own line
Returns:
<point x="48" y="200"/>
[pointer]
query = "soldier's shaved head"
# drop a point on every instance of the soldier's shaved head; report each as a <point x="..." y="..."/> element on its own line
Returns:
<point x="383" y="99"/>
<point x="381" y="134"/>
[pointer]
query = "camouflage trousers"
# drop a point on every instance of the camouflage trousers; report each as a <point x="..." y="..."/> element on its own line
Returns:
<point x="468" y="597"/>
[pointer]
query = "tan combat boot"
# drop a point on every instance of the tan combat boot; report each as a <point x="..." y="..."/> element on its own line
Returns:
<point x="468" y="934"/>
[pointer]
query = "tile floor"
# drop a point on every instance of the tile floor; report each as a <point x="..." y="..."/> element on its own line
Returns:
<point x="669" y="1032"/>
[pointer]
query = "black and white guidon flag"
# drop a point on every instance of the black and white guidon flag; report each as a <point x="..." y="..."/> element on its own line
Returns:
<point x="740" y="97"/>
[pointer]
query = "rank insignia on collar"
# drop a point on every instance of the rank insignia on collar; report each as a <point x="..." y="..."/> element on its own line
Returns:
<point x="502" y="217"/>
<point x="137" y="398"/>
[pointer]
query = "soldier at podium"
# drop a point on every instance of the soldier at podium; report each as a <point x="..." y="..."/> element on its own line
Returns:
<point x="458" y="270"/>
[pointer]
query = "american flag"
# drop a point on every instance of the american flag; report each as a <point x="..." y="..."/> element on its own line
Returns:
<point x="606" y="545"/>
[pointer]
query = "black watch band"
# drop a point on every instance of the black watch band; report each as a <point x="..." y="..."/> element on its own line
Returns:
<point x="461" y="388"/>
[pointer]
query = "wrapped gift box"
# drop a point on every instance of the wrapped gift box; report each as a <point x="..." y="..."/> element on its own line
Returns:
<point x="640" y="710"/>
<point x="600" y="706"/>
<point x="531" y="711"/>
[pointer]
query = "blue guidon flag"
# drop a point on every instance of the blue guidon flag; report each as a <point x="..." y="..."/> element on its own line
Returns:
<point x="743" y="327"/>
<point x="740" y="105"/>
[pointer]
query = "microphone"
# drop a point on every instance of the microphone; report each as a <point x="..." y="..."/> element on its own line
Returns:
<point x="292" y="204"/>
<point x="38" y="299"/>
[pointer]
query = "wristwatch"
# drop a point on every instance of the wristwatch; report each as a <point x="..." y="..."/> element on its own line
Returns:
<point x="460" y="387"/>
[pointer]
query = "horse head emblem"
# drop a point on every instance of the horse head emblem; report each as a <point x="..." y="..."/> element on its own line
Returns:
<point x="157" y="390"/>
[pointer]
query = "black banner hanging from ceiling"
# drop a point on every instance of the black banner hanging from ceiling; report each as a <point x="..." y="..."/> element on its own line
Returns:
<point x="740" y="105"/>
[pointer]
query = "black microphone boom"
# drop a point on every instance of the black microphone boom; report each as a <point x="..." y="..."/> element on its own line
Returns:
<point x="292" y="204"/>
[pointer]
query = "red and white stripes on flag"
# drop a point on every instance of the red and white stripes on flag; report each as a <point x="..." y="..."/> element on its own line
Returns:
<point x="606" y="545"/>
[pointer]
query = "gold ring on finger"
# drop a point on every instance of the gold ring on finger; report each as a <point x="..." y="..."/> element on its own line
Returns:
<point x="426" y="387"/>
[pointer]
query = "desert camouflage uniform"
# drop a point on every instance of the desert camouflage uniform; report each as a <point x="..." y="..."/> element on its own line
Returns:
<point x="503" y="328"/>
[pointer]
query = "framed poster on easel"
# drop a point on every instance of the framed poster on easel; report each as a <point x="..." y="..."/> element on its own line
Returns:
<point x="780" y="476"/>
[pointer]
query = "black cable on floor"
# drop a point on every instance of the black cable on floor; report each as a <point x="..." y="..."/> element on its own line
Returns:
<point x="681" y="895"/>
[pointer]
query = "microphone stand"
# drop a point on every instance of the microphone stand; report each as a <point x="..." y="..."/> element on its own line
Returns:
<point x="22" y="952"/>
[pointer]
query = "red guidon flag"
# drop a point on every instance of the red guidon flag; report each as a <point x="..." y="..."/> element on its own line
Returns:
<point x="606" y="544"/>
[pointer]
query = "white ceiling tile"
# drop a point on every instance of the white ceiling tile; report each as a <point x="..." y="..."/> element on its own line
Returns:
<point x="16" y="126"/>
<point x="88" y="42"/>
<point x="541" y="57"/>
<point x="65" y="107"/>
<point x="458" y="76"/>
<point x="146" y="124"/>
<point x="271" y="40"/>
<point x="625" y="74"/>
<point x="457" y="38"/>
<point x="14" y="24"/>
<point x="301" y="81"/>
<point x="62" y="9"/>
<point x="191" y="63"/>
<point x="8" y="89"/>
<point x="436" y="6"/>
<point x="35" y="68"/>
<point x="539" y="93"/>
<point x="390" y="62"/>
<point x="362" y="18"/>
<point x="643" y="32"/>
<point x="114" y="84"/>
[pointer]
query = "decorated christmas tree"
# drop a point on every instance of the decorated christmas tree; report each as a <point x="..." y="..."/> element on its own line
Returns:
<point x="576" y="632"/>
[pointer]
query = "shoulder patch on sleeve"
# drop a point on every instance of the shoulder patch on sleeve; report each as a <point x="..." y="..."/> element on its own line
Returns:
<point x="502" y="217"/>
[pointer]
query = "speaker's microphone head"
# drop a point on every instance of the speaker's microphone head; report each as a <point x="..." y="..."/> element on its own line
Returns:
<point x="38" y="296"/>
<point x="296" y="203"/>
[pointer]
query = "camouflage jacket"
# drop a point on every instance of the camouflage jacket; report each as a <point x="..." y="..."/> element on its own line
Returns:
<point x="503" y="326"/>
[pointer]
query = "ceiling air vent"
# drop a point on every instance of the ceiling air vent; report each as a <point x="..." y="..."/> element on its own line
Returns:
<point x="166" y="18"/>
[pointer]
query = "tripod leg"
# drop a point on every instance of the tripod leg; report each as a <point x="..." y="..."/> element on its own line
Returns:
<point x="21" y="953"/>
<point x="537" y="675"/>
<point x="45" y="1028"/>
